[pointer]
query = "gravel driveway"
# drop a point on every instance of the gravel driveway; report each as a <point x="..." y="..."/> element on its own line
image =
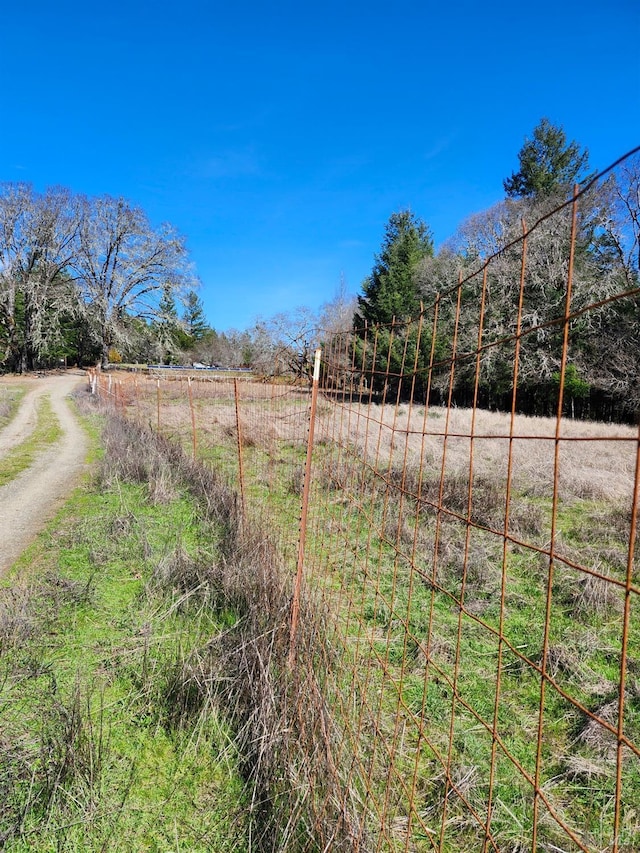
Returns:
<point x="32" y="498"/>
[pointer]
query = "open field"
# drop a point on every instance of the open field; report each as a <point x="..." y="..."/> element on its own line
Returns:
<point x="477" y="573"/>
<point x="465" y="673"/>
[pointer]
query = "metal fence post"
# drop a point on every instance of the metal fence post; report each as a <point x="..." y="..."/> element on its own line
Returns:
<point x="193" y="417"/>
<point x="295" y="605"/>
<point x="236" y="392"/>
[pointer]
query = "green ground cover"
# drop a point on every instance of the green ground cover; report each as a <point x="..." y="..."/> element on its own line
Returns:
<point x="436" y="651"/>
<point x="428" y="614"/>
<point x="100" y="748"/>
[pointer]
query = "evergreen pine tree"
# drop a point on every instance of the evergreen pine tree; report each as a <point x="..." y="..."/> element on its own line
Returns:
<point x="195" y="321"/>
<point x="390" y="290"/>
<point x="547" y="164"/>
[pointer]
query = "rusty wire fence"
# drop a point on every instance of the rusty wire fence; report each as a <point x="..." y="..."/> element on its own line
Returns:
<point x="471" y="544"/>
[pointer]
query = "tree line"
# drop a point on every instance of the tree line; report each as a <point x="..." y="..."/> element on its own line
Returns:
<point x="602" y="377"/>
<point x="88" y="279"/>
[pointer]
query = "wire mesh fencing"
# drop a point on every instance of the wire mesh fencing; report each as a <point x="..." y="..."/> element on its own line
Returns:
<point x="253" y="433"/>
<point x="469" y="507"/>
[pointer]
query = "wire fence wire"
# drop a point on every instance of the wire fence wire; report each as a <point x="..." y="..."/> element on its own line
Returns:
<point x="476" y="568"/>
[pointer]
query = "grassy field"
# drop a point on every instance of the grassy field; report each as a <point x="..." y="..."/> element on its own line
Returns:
<point x="459" y="600"/>
<point x="416" y="715"/>
<point x="447" y="604"/>
<point x="440" y="633"/>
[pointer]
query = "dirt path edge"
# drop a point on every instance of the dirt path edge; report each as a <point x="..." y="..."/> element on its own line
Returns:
<point x="29" y="501"/>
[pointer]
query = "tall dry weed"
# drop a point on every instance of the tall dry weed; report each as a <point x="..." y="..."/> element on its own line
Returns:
<point x="284" y="731"/>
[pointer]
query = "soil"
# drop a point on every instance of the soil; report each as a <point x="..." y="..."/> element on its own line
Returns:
<point x="29" y="501"/>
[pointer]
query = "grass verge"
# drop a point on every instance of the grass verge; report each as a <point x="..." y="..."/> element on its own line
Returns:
<point x="10" y="396"/>
<point x="146" y="697"/>
<point x="46" y="433"/>
<point x="95" y="753"/>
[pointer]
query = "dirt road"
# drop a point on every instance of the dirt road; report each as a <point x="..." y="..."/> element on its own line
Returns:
<point x="29" y="501"/>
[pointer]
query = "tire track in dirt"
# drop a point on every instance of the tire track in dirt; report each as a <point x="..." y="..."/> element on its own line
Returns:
<point x="32" y="498"/>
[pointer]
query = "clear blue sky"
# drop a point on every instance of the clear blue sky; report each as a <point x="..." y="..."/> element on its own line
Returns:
<point x="279" y="137"/>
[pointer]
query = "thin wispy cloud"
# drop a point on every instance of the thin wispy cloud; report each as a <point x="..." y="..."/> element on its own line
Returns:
<point x="274" y="137"/>
<point x="231" y="164"/>
<point x="439" y="146"/>
<point x="351" y="244"/>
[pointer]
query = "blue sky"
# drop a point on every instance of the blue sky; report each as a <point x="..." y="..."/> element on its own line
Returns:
<point x="279" y="137"/>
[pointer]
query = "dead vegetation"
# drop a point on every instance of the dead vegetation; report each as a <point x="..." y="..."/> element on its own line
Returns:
<point x="424" y="567"/>
<point x="283" y="730"/>
<point x="283" y="727"/>
<point x="593" y="463"/>
<point x="9" y="397"/>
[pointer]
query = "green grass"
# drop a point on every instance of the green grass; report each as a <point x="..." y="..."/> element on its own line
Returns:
<point x="583" y="658"/>
<point x="403" y="713"/>
<point x="46" y="433"/>
<point x="96" y="755"/>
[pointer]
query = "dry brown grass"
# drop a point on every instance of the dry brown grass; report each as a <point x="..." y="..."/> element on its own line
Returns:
<point x="17" y="623"/>
<point x="284" y="730"/>
<point x="593" y="462"/>
<point x="596" y="460"/>
<point x="598" y="738"/>
<point x="596" y="595"/>
<point x="399" y="482"/>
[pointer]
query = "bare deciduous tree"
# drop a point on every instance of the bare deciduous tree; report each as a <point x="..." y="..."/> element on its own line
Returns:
<point x="37" y="244"/>
<point x="336" y="316"/>
<point x="15" y="199"/>
<point x="123" y="266"/>
<point x="284" y="343"/>
<point x="604" y="259"/>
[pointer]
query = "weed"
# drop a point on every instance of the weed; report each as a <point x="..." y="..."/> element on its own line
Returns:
<point x="242" y="670"/>
<point x="415" y="699"/>
<point x="599" y="739"/>
<point x="17" y="624"/>
<point x="90" y="754"/>
<point x="40" y="776"/>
